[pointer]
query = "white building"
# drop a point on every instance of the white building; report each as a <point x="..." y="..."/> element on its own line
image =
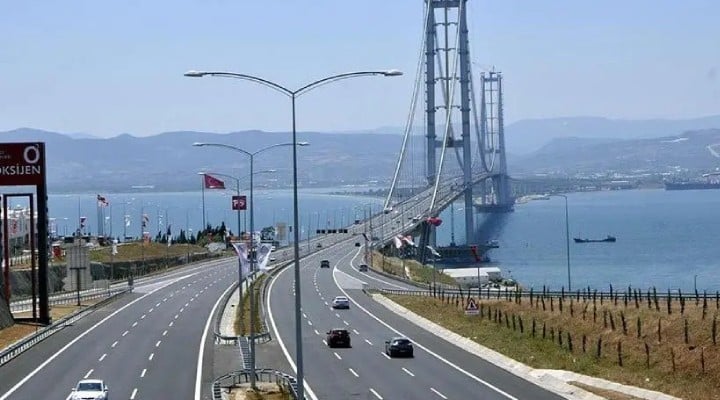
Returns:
<point x="469" y="277"/>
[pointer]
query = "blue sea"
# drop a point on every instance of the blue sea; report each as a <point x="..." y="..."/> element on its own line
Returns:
<point x="666" y="239"/>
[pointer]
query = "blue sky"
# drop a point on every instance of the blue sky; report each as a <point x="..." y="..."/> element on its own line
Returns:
<point x="109" y="67"/>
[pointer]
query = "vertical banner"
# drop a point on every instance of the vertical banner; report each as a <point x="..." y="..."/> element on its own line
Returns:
<point x="239" y="203"/>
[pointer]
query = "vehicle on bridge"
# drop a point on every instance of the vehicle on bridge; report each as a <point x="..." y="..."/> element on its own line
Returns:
<point x="399" y="346"/>
<point x="338" y="337"/>
<point x="325" y="264"/>
<point x="341" y="302"/>
<point x="94" y="389"/>
<point x="363" y="268"/>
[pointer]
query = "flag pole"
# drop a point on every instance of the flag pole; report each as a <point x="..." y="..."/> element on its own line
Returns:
<point x="203" y="202"/>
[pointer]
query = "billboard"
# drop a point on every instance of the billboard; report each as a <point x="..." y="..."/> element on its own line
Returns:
<point x="239" y="203"/>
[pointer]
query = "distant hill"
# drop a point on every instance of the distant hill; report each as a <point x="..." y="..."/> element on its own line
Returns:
<point x="169" y="162"/>
<point x="686" y="151"/>
<point x="526" y="136"/>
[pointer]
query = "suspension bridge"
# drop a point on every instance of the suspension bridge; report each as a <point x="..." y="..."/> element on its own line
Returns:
<point x="461" y="155"/>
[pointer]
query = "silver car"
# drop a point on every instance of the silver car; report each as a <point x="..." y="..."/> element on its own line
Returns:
<point x="90" y="389"/>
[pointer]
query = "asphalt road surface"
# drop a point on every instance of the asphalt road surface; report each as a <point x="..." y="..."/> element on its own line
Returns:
<point x="145" y="345"/>
<point x="438" y="370"/>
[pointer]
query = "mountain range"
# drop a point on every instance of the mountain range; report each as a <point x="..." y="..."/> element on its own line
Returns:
<point x="168" y="161"/>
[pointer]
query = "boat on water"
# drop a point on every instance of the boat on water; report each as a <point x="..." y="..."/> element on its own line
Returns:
<point x="609" y="238"/>
<point x="463" y="255"/>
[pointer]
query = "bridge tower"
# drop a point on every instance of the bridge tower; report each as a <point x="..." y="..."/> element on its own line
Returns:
<point x="439" y="49"/>
<point x="495" y="193"/>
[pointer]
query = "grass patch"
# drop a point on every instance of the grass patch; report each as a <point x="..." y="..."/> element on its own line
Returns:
<point x="418" y="272"/>
<point x="242" y="321"/>
<point x="682" y="359"/>
<point x="16" y="332"/>
<point x="607" y="394"/>
<point x="136" y="251"/>
<point x="265" y="391"/>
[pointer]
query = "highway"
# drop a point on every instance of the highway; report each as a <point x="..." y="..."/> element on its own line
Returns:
<point x="146" y="345"/>
<point x="438" y="370"/>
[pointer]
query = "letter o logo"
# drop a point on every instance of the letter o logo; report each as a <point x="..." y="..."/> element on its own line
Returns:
<point x="31" y="154"/>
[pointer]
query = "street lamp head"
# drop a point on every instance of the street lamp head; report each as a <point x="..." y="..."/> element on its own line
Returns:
<point x="194" y="74"/>
<point x="199" y="144"/>
<point x="303" y="143"/>
<point x="392" y="72"/>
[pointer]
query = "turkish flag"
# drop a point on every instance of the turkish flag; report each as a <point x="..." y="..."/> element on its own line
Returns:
<point x="213" y="183"/>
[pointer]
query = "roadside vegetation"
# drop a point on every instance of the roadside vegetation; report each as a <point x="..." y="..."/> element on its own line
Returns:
<point x="242" y="321"/>
<point x="418" y="272"/>
<point x="265" y="391"/>
<point x="134" y="251"/>
<point x="647" y="340"/>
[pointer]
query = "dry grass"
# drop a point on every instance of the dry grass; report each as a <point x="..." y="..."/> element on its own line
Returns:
<point x="608" y="394"/>
<point x="242" y="325"/>
<point x="16" y="332"/>
<point x="265" y="391"/>
<point x="418" y="272"/>
<point x="134" y="251"/>
<point x="688" y="370"/>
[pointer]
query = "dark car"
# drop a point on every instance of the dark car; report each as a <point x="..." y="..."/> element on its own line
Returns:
<point x="357" y="244"/>
<point x="338" y="338"/>
<point x="363" y="268"/>
<point x="399" y="347"/>
<point x="325" y="264"/>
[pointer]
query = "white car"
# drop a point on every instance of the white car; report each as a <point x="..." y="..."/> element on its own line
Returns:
<point x="93" y="389"/>
<point x="341" y="302"/>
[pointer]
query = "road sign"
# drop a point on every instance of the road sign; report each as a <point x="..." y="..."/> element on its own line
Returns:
<point x="239" y="203"/>
<point x="471" y="307"/>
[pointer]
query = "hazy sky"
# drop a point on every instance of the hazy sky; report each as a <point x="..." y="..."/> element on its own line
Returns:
<point x="113" y="66"/>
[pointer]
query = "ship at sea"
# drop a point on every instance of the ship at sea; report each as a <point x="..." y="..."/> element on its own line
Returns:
<point x="460" y="256"/>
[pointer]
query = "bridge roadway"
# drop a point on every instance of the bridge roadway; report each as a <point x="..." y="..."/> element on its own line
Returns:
<point x="439" y="369"/>
<point x="145" y="345"/>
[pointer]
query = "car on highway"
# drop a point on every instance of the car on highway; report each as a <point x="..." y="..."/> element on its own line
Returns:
<point x="357" y="244"/>
<point x="363" y="268"/>
<point x="399" y="346"/>
<point x="319" y="245"/>
<point x="94" y="389"/>
<point x="325" y="264"/>
<point x="341" y="302"/>
<point x="388" y="210"/>
<point x="338" y="337"/>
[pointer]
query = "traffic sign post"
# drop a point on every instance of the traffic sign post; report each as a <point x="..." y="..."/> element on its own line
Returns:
<point x="471" y="307"/>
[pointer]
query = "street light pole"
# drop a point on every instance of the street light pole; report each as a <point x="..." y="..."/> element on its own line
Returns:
<point x="293" y="94"/>
<point x="567" y="238"/>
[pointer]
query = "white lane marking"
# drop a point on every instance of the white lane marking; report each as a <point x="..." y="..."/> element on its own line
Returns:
<point x="125" y="333"/>
<point x="201" y="352"/>
<point x="427" y="350"/>
<point x="368" y="342"/>
<point x="151" y="309"/>
<point x="376" y="394"/>
<point x="337" y="315"/>
<point x="182" y="309"/>
<point x="134" y="324"/>
<point x="337" y="355"/>
<point x="316" y="332"/>
<point x="353" y="372"/>
<point x="165" y="299"/>
<point x="326" y="303"/>
<point x="309" y="322"/>
<point x="102" y="357"/>
<point x="114" y="344"/>
<point x="151" y="356"/>
<point x="345" y="322"/>
<point x="308" y="390"/>
<point x="356" y="332"/>
<point x="142" y="374"/>
<point x="158" y="343"/>
<point x="88" y="373"/>
<point x="385" y="355"/>
<point x="408" y="371"/>
<point x="304" y="315"/>
<point x="187" y="304"/>
<point x="164" y="332"/>
<point x="176" y="316"/>
<point x="325" y="342"/>
<point x="134" y="392"/>
<point x="157" y="305"/>
<point x="438" y="393"/>
<point x="143" y="316"/>
<point x="171" y="323"/>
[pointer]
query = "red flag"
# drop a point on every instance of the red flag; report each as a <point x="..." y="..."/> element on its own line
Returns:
<point x="213" y="183"/>
<point x="102" y="201"/>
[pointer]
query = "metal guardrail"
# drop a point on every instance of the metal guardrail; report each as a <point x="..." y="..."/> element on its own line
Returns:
<point x="21" y="346"/>
<point x="63" y="298"/>
<point x="227" y="381"/>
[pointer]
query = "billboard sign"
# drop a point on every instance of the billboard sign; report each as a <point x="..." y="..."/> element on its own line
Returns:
<point x="239" y="203"/>
<point x="22" y="164"/>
